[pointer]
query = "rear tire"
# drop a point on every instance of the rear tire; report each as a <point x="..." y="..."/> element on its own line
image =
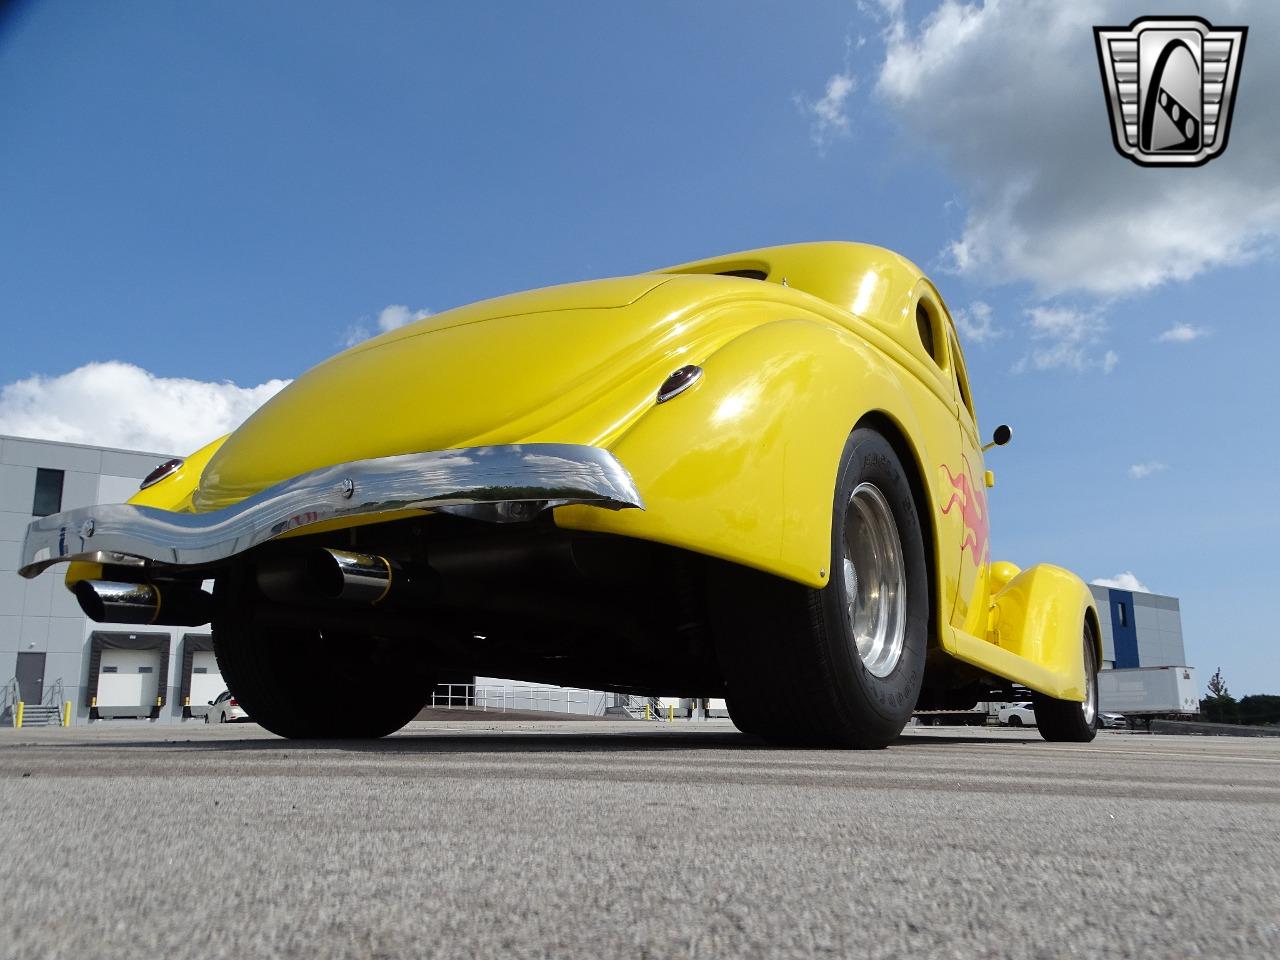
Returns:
<point x="1015" y="721"/>
<point x="1068" y="721"/>
<point x="806" y="667"/>
<point x="305" y="683"/>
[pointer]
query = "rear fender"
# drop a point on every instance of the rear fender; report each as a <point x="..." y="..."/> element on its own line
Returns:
<point x="742" y="466"/>
<point x="173" y="493"/>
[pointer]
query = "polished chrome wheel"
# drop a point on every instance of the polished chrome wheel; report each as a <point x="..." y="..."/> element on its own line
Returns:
<point x="1090" y="708"/>
<point x="875" y="581"/>
<point x="852" y="653"/>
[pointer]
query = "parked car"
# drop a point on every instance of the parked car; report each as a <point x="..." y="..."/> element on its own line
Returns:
<point x="757" y="476"/>
<point x="224" y="709"/>
<point x="1113" y="720"/>
<point x="1018" y="715"/>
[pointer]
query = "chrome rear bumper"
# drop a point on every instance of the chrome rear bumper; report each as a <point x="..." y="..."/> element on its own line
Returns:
<point x="501" y="483"/>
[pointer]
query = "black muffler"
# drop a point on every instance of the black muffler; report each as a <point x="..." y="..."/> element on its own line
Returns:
<point x="340" y="576"/>
<point x="173" y="605"/>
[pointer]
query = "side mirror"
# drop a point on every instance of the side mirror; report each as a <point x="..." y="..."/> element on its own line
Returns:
<point x="1002" y="435"/>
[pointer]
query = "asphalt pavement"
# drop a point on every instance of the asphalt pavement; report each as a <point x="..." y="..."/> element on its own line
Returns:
<point x="633" y="839"/>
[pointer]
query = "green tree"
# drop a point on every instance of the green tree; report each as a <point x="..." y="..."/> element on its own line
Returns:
<point x="1262" y="709"/>
<point x="1219" y="706"/>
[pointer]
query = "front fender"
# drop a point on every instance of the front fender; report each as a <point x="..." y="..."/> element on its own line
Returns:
<point x="742" y="466"/>
<point x="1038" y="616"/>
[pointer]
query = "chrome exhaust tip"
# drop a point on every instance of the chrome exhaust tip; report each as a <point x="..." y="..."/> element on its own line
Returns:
<point x="109" y="601"/>
<point x="355" y="579"/>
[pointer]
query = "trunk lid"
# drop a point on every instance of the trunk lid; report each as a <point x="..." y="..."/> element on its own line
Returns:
<point x="490" y="372"/>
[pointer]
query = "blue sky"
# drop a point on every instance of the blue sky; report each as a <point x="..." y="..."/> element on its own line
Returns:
<point x="221" y="195"/>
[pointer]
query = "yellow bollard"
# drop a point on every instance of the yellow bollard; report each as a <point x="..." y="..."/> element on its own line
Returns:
<point x="17" y="713"/>
<point x="646" y="712"/>
<point x="671" y="713"/>
<point x="66" y="713"/>
<point x="159" y="701"/>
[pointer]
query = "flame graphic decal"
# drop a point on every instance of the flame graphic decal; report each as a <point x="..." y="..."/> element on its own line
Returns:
<point x="972" y="501"/>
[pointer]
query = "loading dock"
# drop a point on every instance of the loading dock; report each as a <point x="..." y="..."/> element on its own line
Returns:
<point x="201" y="680"/>
<point x="128" y="674"/>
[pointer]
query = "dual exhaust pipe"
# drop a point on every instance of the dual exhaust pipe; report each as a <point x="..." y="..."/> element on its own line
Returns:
<point x="336" y="576"/>
<point x="341" y="576"/>
<point x="147" y="604"/>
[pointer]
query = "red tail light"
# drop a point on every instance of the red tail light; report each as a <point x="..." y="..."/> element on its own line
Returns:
<point x="233" y="703"/>
<point x="160" y="472"/>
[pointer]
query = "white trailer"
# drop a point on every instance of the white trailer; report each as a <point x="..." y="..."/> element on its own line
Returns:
<point x="1146" y="693"/>
<point x="979" y="715"/>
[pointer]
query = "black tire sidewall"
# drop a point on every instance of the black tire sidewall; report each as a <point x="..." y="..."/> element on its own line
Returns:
<point x="883" y="701"/>
<point x="1063" y="721"/>
<point x="279" y="674"/>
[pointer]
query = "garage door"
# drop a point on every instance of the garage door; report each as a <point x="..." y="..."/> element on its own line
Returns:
<point x="206" y="681"/>
<point x="128" y="682"/>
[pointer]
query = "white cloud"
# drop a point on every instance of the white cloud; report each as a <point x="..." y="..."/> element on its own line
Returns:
<point x="1122" y="581"/>
<point x="1140" y="471"/>
<point x="397" y="315"/>
<point x="1009" y="95"/>
<point x="1182" y="333"/>
<point x="117" y="404"/>
<point x="1063" y="338"/>
<point x="828" y="116"/>
<point x="888" y="13"/>
<point x="974" y="323"/>
<point x="389" y="318"/>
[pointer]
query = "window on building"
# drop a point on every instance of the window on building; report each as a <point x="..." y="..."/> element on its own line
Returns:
<point x="1123" y="613"/>
<point x="199" y="669"/>
<point x="48" y="498"/>
<point x="145" y="669"/>
<point x="110" y="669"/>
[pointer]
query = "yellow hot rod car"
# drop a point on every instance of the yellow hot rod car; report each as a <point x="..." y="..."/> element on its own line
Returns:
<point x="757" y="476"/>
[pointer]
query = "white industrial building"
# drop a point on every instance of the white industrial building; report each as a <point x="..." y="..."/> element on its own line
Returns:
<point x="1139" y="629"/>
<point x="50" y="652"/>
<point x="1143" y="655"/>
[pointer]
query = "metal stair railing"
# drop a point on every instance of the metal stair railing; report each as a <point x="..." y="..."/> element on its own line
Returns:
<point x="501" y="698"/>
<point x="49" y="711"/>
<point x="10" y="694"/>
<point x="640" y="708"/>
<point x="40" y="715"/>
<point x="53" y="695"/>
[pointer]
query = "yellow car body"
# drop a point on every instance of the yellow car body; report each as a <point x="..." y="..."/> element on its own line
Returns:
<point x="797" y="345"/>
